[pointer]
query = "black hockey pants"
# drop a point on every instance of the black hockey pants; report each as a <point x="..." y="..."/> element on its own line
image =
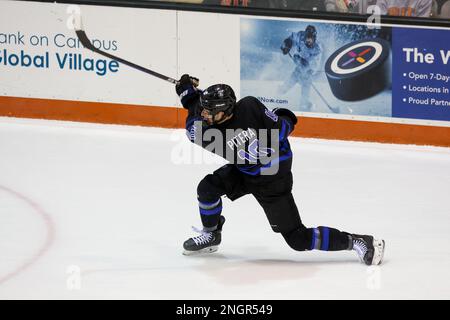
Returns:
<point x="274" y="195"/>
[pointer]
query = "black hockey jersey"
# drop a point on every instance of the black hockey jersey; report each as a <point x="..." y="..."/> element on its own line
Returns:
<point x="254" y="139"/>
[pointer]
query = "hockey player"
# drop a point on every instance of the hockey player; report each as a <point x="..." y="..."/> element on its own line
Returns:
<point x="239" y="134"/>
<point x="306" y="52"/>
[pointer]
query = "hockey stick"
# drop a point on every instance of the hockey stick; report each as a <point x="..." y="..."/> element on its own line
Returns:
<point x="334" y="110"/>
<point x="81" y="34"/>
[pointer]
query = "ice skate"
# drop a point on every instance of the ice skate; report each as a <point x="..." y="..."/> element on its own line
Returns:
<point x="206" y="242"/>
<point x="369" y="250"/>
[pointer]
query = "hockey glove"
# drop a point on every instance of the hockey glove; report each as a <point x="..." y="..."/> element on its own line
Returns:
<point x="287" y="45"/>
<point x="186" y="89"/>
<point x="282" y="112"/>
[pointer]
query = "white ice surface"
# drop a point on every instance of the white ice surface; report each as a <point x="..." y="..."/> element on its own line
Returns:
<point x="116" y="203"/>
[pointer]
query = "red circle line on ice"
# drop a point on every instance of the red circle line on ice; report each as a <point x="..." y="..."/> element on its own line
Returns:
<point x="43" y="248"/>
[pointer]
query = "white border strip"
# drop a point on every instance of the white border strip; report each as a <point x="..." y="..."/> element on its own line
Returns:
<point x="421" y="122"/>
<point x="344" y="22"/>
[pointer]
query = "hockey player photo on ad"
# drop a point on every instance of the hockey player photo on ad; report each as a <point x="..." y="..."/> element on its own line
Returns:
<point x="317" y="68"/>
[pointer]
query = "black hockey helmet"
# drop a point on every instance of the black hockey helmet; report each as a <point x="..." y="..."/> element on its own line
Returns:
<point x="311" y="33"/>
<point x="219" y="97"/>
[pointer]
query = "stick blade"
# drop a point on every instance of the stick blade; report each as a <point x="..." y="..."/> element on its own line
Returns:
<point x="84" y="39"/>
<point x="77" y="22"/>
<point x="81" y="34"/>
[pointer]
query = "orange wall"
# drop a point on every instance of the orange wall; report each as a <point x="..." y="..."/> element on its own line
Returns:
<point x="174" y="118"/>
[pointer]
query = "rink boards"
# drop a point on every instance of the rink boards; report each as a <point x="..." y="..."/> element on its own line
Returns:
<point x="46" y="73"/>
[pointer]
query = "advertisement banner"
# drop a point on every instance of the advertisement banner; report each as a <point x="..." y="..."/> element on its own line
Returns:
<point x="421" y="77"/>
<point x="347" y="69"/>
<point x="41" y="56"/>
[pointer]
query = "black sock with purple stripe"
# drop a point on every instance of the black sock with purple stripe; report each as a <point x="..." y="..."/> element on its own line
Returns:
<point x="329" y="239"/>
<point x="210" y="212"/>
<point x="320" y="238"/>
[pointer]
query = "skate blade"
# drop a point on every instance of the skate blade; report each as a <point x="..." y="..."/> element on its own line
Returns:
<point x="201" y="252"/>
<point x="378" y="254"/>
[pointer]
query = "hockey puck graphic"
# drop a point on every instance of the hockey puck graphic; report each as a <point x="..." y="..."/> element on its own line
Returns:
<point x="359" y="69"/>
